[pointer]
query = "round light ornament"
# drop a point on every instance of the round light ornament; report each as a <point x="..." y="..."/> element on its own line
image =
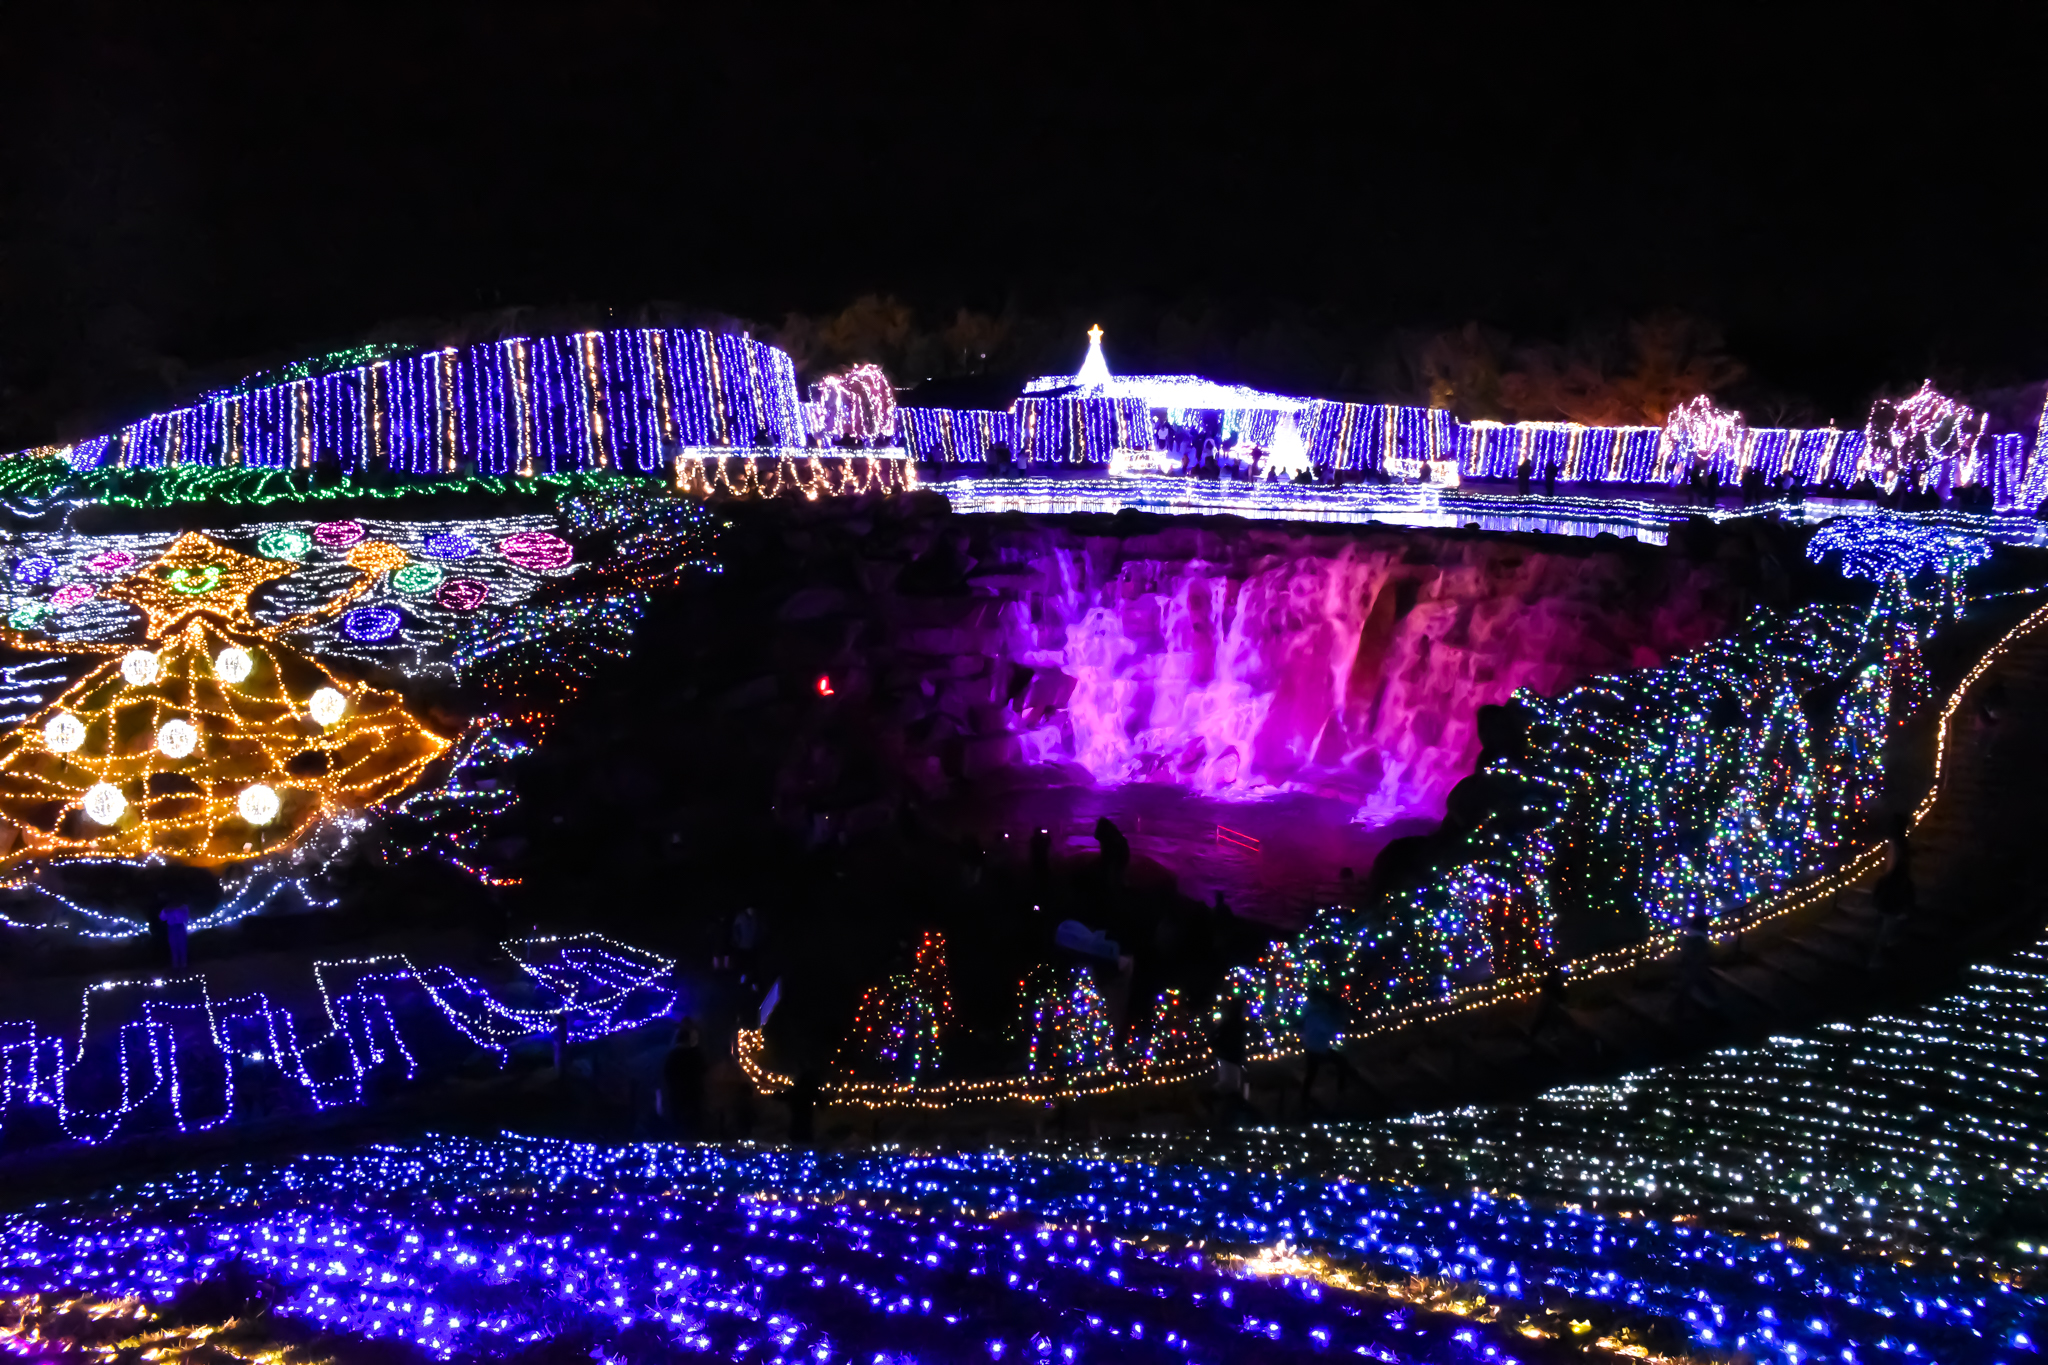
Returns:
<point x="371" y="624"/>
<point x="327" y="706"/>
<point x="258" y="804"/>
<point x="417" y="578"/>
<point x="177" y="739"/>
<point x="64" y="733"/>
<point x="139" y="667"/>
<point x="232" y="664"/>
<point x="104" y="803"/>
<point x="284" y="542"/>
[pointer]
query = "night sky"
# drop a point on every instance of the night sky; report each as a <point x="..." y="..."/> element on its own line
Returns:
<point x="195" y="186"/>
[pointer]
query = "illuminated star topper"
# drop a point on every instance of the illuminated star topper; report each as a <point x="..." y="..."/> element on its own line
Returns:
<point x="197" y="574"/>
<point x="1094" y="370"/>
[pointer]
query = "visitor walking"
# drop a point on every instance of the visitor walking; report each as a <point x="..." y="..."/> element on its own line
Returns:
<point x="746" y="932"/>
<point x="682" y="1082"/>
<point x="1991" y="700"/>
<point x="1694" y="950"/>
<point x="1041" y="857"/>
<point x="1116" y="850"/>
<point x="1550" y="1008"/>
<point x="1321" y="1023"/>
<point x="1227" y="1044"/>
<point x="729" y="1095"/>
<point x="802" y="1100"/>
<point x="249" y="1080"/>
<point x="1893" y="895"/>
<point x="175" y="918"/>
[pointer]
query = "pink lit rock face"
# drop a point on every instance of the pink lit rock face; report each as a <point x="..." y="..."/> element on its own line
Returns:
<point x="1240" y="662"/>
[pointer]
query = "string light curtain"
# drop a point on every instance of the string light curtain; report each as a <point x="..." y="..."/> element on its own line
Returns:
<point x="1041" y="430"/>
<point x="1384" y="439"/>
<point x="615" y="400"/>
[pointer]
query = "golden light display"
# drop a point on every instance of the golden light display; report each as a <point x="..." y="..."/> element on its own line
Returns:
<point x="824" y="474"/>
<point x="212" y="742"/>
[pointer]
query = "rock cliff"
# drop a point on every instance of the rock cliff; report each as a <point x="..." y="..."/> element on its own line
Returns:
<point x="1236" y="660"/>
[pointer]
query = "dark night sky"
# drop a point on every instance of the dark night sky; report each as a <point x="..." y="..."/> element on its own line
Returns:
<point x="197" y="183"/>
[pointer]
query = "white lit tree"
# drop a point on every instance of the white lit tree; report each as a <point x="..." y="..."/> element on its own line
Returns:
<point x="1697" y="432"/>
<point x="1921" y="437"/>
<point x="859" y="403"/>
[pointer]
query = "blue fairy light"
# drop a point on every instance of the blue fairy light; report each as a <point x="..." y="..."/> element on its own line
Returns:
<point x="370" y="624"/>
<point x="451" y="1247"/>
<point x="1877" y="545"/>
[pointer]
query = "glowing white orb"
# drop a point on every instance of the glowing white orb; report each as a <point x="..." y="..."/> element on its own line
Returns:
<point x="104" y="803"/>
<point x="138" y="666"/>
<point x="64" y="733"/>
<point x="327" y="705"/>
<point x="258" y="804"/>
<point x="177" y="739"/>
<point x="232" y="664"/>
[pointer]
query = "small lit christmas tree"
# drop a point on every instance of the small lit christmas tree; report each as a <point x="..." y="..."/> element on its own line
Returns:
<point x="899" y="1027"/>
<point x="1066" y="1022"/>
<point x="1176" y="1041"/>
<point x="933" y="983"/>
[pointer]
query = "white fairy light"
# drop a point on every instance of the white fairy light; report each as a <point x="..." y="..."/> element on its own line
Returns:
<point x="232" y="664"/>
<point x="1697" y="432"/>
<point x="860" y="403"/>
<point x="139" y="667"/>
<point x="104" y="803"/>
<point x="64" y="733"/>
<point x="258" y="804"/>
<point x="177" y="739"/>
<point x="327" y="706"/>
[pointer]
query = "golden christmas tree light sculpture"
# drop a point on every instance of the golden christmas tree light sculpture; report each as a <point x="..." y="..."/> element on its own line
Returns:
<point x="212" y="742"/>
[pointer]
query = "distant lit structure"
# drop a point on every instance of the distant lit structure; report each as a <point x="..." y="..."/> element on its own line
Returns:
<point x="650" y="401"/>
<point x="1150" y="424"/>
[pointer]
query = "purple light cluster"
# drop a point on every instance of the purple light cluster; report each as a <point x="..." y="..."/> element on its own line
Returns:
<point x="452" y="1247"/>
